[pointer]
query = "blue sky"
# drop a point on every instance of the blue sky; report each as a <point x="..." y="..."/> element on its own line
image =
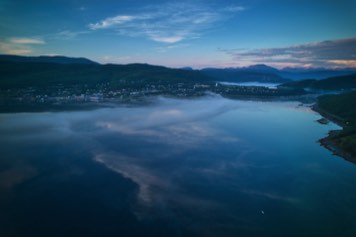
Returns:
<point x="197" y="33"/>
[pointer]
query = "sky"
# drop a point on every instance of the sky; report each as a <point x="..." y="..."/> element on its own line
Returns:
<point x="195" y="33"/>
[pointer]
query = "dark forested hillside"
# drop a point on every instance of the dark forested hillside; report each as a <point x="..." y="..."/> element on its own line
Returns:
<point x="332" y="83"/>
<point x="24" y="74"/>
<point x="342" y="109"/>
<point x="45" y="59"/>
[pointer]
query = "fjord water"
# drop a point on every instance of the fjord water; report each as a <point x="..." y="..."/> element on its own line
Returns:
<point x="203" y="167"/>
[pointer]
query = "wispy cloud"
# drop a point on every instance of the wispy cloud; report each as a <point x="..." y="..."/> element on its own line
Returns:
<point x="235" y="8"/>
<point x="26" y="41"/>
<point x="67" y="34"/>
<point x="343" y="63"/>
<point x="111" y="21"/>
<point x="331" y="53"/>
<point x="169" y="47"/>
<point x="7" y="48"/>
<point x="168" y="23"/>
<point x="19" y="46"/>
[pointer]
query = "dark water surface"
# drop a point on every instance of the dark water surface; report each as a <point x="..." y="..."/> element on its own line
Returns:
<point x="207" y="167"/>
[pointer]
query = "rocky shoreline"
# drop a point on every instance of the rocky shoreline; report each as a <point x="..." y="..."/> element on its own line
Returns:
<point x="330" y="142"/>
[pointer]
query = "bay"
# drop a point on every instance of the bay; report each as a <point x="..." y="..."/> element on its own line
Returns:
<point x="203" y="167"/>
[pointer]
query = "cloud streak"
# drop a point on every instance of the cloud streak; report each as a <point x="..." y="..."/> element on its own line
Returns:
<point x="331" y="53"/>
<point x="19" y="46"/>
<point x="7" y="48"/>
<point x="110" y="22"/>
<point x="67" y="35"/>
<point x="26" y="41"/>
<point x="168" y="23"/>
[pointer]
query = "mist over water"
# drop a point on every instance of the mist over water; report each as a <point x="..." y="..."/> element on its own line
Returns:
<point x="260" y="84"/>
<point x="204" y="167"/>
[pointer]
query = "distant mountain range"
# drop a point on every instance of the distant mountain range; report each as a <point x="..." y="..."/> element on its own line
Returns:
<point x="18" y="71"/>
<point x="264" y="73"/>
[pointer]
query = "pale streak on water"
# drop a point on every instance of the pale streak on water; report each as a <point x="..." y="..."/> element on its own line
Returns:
<point x="215" y="165"/>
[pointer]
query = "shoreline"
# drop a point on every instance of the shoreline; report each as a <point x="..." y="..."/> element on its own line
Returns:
<point x="82" y="106"/>
<point x="329" y="142"/>
<point x="331" y="145"/>
<point x="331" y="117"/>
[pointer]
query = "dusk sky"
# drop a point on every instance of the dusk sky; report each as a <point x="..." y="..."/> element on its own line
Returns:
<point x="196" y="33"/>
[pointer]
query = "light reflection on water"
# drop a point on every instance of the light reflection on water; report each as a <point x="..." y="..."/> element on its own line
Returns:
<point x="212" y="166"/>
